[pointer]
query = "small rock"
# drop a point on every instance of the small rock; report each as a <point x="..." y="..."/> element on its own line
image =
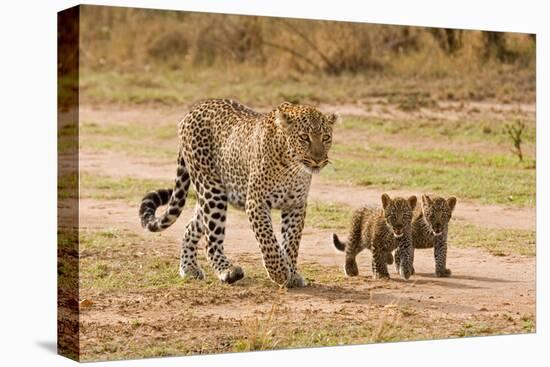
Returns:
<point x="85" y="303"/>
<point x="483" y="309"/>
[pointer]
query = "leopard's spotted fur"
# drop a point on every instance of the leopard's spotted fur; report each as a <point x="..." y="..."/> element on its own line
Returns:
<point x="381" y="231"/>
<point x="430" y="227"/>
<point x="254" y="161"/>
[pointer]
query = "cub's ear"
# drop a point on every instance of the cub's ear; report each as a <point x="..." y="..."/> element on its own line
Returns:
<point x="386" y="200"/>
<point x="412" y="201"/>
<point x="281" y="119"/>
<point x="332" y="118"/>
<point x="426" y="200"/>
<point x="452" y="202"/>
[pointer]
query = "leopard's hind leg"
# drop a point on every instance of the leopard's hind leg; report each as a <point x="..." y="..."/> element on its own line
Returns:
<point x="213" y="202"/>
<point x="193" y="233"/>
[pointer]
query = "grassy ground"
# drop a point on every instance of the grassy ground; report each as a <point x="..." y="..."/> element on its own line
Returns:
<point x="122" y="274"/>
<point x="506" y="83"/>
<point x="500" y="242"/>
<point x="399" y="157"/>
<point x="321" y="215"/>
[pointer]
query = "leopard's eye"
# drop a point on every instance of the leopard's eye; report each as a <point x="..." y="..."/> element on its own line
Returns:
<point x="326" y="138"/>
<point x="304" y="137"/>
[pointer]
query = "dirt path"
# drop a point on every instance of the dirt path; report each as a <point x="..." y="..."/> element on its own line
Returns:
<point x="486" y="295"/>
<point x="453" y="111"/>
<point x="491" y="216"/>
<point x="480" y="282"/>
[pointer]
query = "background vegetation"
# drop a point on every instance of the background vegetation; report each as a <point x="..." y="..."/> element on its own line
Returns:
<point x="157" y="52"/>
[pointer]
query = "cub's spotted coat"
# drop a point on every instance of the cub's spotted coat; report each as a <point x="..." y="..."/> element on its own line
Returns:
<point x="430" y="227"/>
<point x="381" y="231"/>
<point x="254" y="161"/>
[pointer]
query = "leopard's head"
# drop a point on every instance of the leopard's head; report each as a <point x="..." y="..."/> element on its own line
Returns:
<point x="437" y="212"/>
<point x="398" y="213"/>
<point x="308" y="133"/>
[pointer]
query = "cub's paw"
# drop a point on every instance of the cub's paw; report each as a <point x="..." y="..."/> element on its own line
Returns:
<point x="406" y="271"/>
<point x="297" y="281"/>
<point x="351" y="269"/>
<point x="445" y="273"/>
<point x="381" y="276"/>
<point x="192" y="273"/>
<point x="231" y="274"/>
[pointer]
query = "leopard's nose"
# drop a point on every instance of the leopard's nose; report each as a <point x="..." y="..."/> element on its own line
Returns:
<point x="320" y="162"/>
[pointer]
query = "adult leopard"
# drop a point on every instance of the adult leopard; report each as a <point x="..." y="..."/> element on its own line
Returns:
<point x="254" y="161"/>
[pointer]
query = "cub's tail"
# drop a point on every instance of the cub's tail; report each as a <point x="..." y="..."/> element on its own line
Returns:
<point x="175" y="198"/>
<point x="339" y="245"/>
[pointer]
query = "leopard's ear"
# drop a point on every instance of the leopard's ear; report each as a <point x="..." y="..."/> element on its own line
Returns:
<point x="386" y="200"/>
<point x="452" y="203"/>
<point x="332" y="118"/>
<point x="281" y="119"/>
<point x="284" y="105"/>
<point x="412" y="201"/>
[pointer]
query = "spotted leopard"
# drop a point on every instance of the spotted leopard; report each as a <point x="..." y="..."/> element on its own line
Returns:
<point x="381" y="231"/>
<point x="254" y="161"/>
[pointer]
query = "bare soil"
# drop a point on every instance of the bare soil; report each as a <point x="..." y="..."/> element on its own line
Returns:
<point x="486" y="294"/>
<point x="497" y="293"/>
<point x="491" y="216"/>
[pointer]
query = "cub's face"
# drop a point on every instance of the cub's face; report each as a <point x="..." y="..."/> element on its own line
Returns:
<point x="398" y="213"/>
<point x="437" y="212"/>
<point x="309" y="134"/>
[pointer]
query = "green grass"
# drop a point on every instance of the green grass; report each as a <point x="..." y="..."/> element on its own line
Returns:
<point x="325" y="335"/>
<point x="256" y="87"/>
<point x="327" y="215"/>
<point x="126" y="188"/>
<point x="433" y="156"/>
<point x="104" y="267"/>
<point x="134" y="148"/>
<point x="485" y="130"/>
<point x="115" y="263"/>
<point x="134" y="139"/>
<point x="499" y="242"/>
<point x="67" y="186"/>
<point x="485" y="178"/>
<point x="475" y="329"/>
<point x="67" y="260"/>
<point x="136" y="130"/>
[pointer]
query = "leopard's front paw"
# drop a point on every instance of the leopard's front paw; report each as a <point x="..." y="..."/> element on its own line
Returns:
<point x="444" y="273"/>
<point x="297" y="281"/>
<point x="231" y="274"/>
<point x="280" y="274"/>
<point x="194" y="272"/>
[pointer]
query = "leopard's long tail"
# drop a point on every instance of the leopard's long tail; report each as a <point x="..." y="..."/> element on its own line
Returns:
<point x="175" y="198"/>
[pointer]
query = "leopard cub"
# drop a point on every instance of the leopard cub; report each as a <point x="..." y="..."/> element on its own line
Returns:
<point x="381" y="231"/>
<point x="429" y="229"/>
